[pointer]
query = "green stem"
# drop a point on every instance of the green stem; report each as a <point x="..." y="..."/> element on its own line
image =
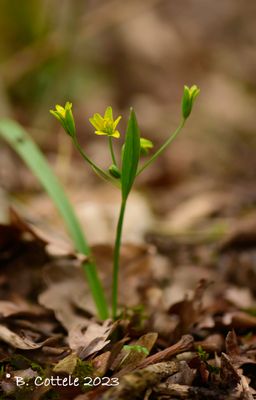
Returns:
<point x="97" y="169"/>
<point x="110" y="142"/>
<point x="163" y="147"/>
<point x="117" y="258"/>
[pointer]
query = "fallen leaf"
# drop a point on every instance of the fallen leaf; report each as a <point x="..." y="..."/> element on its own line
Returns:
<point x="184" y="376"/>
<point x="66" y="285"/>
<point x="228" y="373"/>
<point x="19" y="342"/>
<point x="93" y="339"/>
<point x="134" y="357"/>
<point x="67" y="364"/>
<point x="101" y="363"/>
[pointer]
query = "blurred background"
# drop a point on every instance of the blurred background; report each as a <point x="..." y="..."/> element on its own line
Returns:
<point x="139" y="53"/>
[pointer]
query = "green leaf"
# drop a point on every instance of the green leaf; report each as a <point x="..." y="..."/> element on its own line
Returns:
<point x="21" y="142"/>
<point x="131" y="155"/>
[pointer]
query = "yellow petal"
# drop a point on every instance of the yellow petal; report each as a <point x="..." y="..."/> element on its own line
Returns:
<point x="60" y="110"/>
<point x="116" y="134"/>
<point x="116" y="122"/>
<point x="101" y="133"/>
<point x="108" y="113"/>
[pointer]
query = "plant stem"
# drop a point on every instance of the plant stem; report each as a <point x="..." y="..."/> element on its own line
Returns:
<point x="110" y="142"/>
<point x="163" y="147"/>
<point x="97" y="169"/>
<point x="117" y="258"/>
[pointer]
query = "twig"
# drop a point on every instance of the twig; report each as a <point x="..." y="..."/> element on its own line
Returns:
<point x="133" y="385"/>
<point x="184" y="344"/>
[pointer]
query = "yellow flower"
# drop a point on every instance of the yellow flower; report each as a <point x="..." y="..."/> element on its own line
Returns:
<point x="105" y="125"/>
<point x="65" y="116"/>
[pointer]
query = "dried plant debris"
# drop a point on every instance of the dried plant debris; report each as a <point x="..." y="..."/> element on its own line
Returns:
<point x="186" y="329"/>
<point x="135" y="384"/>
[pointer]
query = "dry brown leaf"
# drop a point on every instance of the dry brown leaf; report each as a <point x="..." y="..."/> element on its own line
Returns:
<point x="67" y="364"/>
<point x="134" y="357"/>
<point x="189" y="311"/>
<point x="228" y="373"/>
<point x="19" y="342"/>
<point x="236" y="355"/>
<point x="94" y="338"/>
<point x="56" y="245"/>
<point x="184" y="376"/>
<point x="101" y="363"/>
<point x="66" y="286"/>
<point x="19" y="307"/>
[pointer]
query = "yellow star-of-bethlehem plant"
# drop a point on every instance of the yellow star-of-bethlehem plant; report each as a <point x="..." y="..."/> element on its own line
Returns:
<point x="106" y="125"/>
<point x="133" y="148"/>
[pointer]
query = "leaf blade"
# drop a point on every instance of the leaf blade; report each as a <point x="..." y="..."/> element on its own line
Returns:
<point x="32" y="156"/>
<point x="131" y="155"/>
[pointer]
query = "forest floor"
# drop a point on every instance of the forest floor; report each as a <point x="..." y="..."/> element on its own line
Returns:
<point x="187" y="323"/>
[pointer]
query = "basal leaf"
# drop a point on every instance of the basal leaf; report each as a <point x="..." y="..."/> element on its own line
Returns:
<point x="21" y="142"/>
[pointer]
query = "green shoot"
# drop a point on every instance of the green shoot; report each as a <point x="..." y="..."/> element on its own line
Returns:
<point x="131" y="155"/>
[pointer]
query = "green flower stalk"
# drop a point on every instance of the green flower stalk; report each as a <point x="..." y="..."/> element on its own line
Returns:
<point x="133" y="148"/>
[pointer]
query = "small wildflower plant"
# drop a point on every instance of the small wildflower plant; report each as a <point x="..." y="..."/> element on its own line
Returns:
<point x="124" y="173"/>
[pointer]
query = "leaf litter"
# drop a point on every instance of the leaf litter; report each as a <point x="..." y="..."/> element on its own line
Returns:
<point x="190" y="304"/>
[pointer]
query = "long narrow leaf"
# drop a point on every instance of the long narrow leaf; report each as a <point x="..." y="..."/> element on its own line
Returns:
<point x="21" y="142"/>
<point x="131" y="155"/>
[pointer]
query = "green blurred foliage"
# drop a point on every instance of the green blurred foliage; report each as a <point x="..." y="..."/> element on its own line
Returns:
<point x="40" y="62"/>
<point x="20" y="25"/>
